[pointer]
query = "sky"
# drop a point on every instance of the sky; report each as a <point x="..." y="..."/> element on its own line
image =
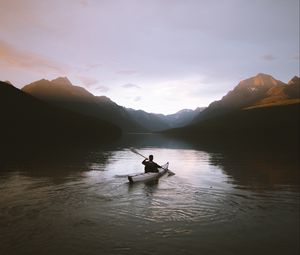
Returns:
<point x="157" y="55"/>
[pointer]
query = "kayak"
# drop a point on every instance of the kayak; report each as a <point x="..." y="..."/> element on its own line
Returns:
<point x="144" y="177"/>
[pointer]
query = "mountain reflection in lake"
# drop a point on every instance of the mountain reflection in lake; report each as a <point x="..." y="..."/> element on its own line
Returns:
<point x="222" y="200"/>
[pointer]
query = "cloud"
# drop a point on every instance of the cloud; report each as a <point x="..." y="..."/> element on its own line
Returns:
<point x="91" y="66"/>
<point x="127" y="72"/>
<point x="102" y="88"/>
<point x="130" y="85"/>
<point x="88" y="81"/>
<point x="268" y="57"/>
<point x="10" y="56"/>
<point x="84" y="3"/>
<point x="138" y="98"/>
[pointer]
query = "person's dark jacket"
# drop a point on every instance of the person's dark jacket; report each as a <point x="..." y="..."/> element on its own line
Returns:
<point x="150" y="166"/>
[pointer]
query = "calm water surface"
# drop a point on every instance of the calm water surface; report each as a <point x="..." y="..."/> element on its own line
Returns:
<point x="221" y="201"/>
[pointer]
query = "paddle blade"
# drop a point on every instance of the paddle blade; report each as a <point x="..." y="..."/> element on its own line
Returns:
<point x="170" y="173"/>
<point x="133" y="150"/>
<point x="136" y="152"/>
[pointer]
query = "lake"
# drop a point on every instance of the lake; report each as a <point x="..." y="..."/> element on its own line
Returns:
<point x="223" y="199"/>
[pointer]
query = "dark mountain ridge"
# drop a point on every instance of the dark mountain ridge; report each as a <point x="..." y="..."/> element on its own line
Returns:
<point x="275" y="121"/>
<point x="257" y="109"/>
<point x="28" y="120"/>
<point x="61" y="92"/>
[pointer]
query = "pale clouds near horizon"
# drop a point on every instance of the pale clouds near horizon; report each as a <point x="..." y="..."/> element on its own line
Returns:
<point x="159" y="55"/>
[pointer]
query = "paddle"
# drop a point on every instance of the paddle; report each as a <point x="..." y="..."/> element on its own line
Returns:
<point x="136" y="152"/>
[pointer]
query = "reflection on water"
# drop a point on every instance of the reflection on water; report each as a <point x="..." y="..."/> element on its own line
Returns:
<point x="222" y="200"/>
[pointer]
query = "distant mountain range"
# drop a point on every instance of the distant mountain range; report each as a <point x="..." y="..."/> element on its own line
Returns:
<point x="61" y="92"/>
<point x="28" y="120"/>
<point x="260" y="106"/>
<point x="257" y="107"/>
<point x="160" y="122"/>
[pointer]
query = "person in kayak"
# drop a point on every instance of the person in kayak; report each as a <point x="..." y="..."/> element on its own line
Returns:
<point x="150" y="166"/>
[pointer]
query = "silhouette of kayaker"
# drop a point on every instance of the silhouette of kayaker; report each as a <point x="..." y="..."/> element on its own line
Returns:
<point x="150" y="166"/>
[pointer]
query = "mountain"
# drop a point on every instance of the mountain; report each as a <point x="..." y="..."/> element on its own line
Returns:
<point x="258" y="109"/>
<point x="59" y="89"/>
<point x="279" y="95"/>
<point x="278" y="123"/>
<point x="28" y="120"/>
<point x="293" y="88"/>
<point x="183" y="117"/>
<point x="153" y="122"/>
<point x="158" y="122"/>
<point x="295" y="81"/>
<point x="8" y="82"/>
<point x="259" y="90"/>
<point x="61" y="92"/>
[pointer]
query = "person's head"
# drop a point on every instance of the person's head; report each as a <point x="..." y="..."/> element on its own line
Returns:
<point x="151" y="157"/>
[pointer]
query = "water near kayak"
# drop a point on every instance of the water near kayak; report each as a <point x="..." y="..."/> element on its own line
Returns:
<point x="222" y="200"/>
